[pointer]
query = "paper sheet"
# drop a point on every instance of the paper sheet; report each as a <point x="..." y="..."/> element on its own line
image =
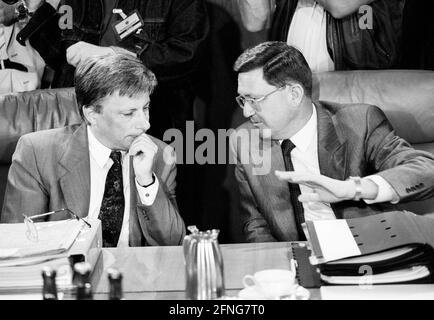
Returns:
<point x="336" y="239"/>
<point x="30" y="296"/>
<point x="379" y="292"/>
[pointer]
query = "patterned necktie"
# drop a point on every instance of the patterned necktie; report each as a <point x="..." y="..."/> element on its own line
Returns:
<point x="294" y="188"/>
<point x="112" y="206"/>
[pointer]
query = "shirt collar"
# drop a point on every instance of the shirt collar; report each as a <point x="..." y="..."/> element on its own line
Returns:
<point x="303" y="138"/>
<point x="99" y="152"/>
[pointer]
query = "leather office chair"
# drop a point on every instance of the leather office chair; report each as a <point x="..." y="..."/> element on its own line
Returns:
<point x="405" y="96"/>
<point x="31" y="111"/>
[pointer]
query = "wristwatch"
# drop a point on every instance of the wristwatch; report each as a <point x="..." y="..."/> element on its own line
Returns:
<point x="358" y="183"/>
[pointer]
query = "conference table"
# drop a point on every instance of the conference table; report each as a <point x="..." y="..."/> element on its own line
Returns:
<point x="158" y="273"/>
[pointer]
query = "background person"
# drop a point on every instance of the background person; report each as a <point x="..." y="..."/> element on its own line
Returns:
<point x="327" y="32"/>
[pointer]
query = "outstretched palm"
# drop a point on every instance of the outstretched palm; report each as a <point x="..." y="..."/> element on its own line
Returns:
<point x="325" y="189"/>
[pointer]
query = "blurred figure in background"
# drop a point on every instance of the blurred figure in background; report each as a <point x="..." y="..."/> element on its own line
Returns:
<point x="328" y="32"/>
<point x="21" y="67"/>
<point x="168" y="42"/>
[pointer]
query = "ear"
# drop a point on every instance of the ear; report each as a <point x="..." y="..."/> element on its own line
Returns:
<point x="90" y="114"/>
<point x="296" y="93"/>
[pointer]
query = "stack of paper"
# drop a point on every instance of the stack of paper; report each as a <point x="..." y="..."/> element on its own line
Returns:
<point x="22" y="260"/>
<point x="53" y="238"/>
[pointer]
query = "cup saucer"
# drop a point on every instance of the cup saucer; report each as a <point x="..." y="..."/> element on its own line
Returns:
<point x="251" y="293"/>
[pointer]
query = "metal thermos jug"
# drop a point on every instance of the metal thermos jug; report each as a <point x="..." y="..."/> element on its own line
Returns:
<point x="203" y="265"/>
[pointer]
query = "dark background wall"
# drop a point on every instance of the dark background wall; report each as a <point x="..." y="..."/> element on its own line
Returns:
<point x="216" y="108"/>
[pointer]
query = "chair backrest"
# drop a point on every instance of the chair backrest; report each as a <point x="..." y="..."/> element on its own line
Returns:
<point x="31" y="111"/>
<point x="405" y="96"/>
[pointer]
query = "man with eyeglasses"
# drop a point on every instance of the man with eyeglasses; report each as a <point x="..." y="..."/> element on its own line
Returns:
<point x="106" y="167"/>
<point x="326" y="161"/>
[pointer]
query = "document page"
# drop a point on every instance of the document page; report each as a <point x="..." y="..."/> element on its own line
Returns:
<point x="335" y="239"/>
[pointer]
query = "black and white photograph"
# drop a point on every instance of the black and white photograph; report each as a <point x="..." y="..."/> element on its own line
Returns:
<point x="212" y="158"/>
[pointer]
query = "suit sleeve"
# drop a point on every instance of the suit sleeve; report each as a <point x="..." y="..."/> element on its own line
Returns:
<point x="255" y="227"/>
<point x="410" y="172"/>
<point x="164" y="225"/>
<point x="25" y="191"/>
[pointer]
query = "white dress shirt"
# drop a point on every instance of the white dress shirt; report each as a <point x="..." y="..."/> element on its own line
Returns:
<point x="305" y="158"/>
<point x="100" y="164"/>
<point x="308" y="33"/>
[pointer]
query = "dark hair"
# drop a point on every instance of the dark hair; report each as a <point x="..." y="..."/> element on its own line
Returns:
<point x="100" y="76"/>
<point x="281" y="64"/>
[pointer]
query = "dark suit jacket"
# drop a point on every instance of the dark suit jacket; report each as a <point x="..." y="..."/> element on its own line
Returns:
<point x="353" y="140"/>
<point x="51" y="170"/>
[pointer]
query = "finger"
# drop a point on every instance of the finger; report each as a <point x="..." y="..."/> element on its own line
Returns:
<point x="143" y="147"/>
<point x="144" y="144"/>
<point x="283" y="175"/>
<point x="309" y="197"/>
<point x="139" y="149"/>
<point x="295" y="176"/>
<point x="77" y="53"/>
<point x="72" y="56"/>
<point x="69" y="55"/>
<point x="144" y="138"/>
<point x="318" y="207"/>
<point x="76" y="61"/>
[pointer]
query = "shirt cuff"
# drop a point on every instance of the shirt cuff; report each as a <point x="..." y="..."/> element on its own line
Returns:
<point x="148" y="195"/>
<point x="385" y="191"/>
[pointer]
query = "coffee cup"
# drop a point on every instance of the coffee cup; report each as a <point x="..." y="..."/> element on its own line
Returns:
<point x="272" y="283"/>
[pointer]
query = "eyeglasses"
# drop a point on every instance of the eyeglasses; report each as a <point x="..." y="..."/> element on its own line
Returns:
<point x="254" y="102"/>
<point x="32" y="229"/>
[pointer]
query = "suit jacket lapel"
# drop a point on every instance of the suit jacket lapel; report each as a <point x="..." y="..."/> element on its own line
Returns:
<point x="277" y="192"/>
<point x="74" y="172"/>
<point x="332" y="152"/>
<point x="275" y="162"/>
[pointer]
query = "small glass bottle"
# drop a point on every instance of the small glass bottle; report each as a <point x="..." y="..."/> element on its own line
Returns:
<point x="115" y="282"/>
<point x="49" y="289"/>
<point x="82" y="272"/>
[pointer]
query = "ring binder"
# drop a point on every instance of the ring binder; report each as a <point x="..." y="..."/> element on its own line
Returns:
<point x="394" y="247"/>
<point x="307" y="275"/>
